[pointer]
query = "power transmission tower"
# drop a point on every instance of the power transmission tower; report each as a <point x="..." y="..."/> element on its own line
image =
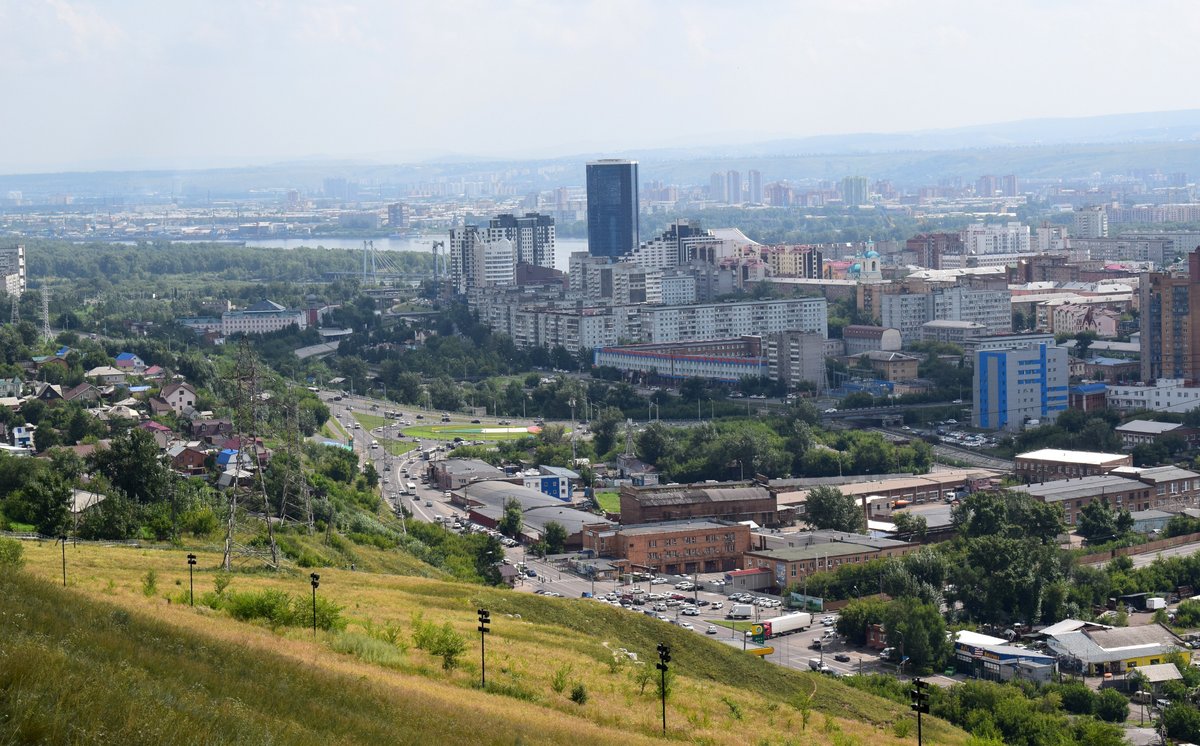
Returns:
<point x="295" y="502"/>
<point x="246" y="462"/>
<point x="45" y="313"/>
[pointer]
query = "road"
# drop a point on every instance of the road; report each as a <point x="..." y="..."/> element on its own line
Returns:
<point x="792" y="650"/>
<point x="1183" y="550"/>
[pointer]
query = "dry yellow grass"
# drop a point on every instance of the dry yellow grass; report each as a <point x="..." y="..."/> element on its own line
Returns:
<point x="523" y="657"/>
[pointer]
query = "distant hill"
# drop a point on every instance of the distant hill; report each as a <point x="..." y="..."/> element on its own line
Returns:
<point x="1067" y="147"/>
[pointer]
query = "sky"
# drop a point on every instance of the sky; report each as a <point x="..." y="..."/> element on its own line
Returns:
<point x="214" y="83"/>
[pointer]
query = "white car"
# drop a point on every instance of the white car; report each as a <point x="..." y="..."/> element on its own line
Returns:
<point x="691" y="611"/>
<point x="686" y="625"/>
<point x="717" y="605"/>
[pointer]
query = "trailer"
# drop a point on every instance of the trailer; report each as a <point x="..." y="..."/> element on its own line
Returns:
<point x="782" y="625"/>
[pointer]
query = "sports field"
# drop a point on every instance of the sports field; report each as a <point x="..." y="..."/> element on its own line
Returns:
<point x="470" y="432"/>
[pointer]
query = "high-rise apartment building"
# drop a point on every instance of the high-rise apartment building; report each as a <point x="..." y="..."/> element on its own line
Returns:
<point x="1090" y="222"/>
<point x="931" y="247"/>
<point x="854" y="190"/>
<point x="1170" y="323"/>
<point x="480" y="260"/>
<point x="12" y="268"/>
<point x="612" y="207"/>
<point x="532" y="236"/>
<point x="1006" y="238"/>
<point x="1011" y="187"/>
<point x="755" y="188"/>
<point x="987" y="186"/>
<point x="733" y="187"/>
<point x="398" y="216"/>
<point x="1014" y="387"/>
<point x="716" y="187"/>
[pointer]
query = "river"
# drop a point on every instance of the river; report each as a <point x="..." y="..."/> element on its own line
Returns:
<point x="563" y="247"/>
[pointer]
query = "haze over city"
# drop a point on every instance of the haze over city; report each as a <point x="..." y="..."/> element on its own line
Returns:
<point x="150" y="85"/>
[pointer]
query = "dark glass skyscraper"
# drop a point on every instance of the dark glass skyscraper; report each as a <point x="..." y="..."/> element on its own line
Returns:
<point x="612" y="207"/>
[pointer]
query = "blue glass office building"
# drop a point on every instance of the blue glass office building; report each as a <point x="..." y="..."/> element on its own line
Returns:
<point x="612" y="207"/>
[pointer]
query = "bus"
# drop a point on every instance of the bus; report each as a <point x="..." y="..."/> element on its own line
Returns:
<point x="412" y="488"/>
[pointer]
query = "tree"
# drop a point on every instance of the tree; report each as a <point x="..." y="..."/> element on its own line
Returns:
<point x="1097" y="522"/>
<point x="828" y="508"/>
<point x="910" y="526"/>
<point x="133" y="464"/>
<point x="604" y="429"/>
<point x="1182" y="721"/>
<point x="555" y="537"/>
<point x="1111" y="706"/>
<point x="512" y="520"/>
<point x="1083" y="340"/>
<point x="918" y="629"/>
<point x="47" y="498"/>
<point x="857" y="616"/>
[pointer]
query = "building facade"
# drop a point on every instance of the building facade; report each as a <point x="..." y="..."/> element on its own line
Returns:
<point x="728" y="501"/>
<point x="1049" y="464"/>
<point x="532" y="236"/>
<point x="675" y="547"/>
<point x="612" y="207"/>
<point x="263" y="317"/>
<point x="726" y="320"/>
<point x="12" y="268"/>
<point x="1170" y="323"/>
<point x="1015" y="387"/>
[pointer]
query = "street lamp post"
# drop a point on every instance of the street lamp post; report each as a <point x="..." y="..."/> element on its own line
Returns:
<point x="191" y="558"/>
<point x="485" y="619"/>
<point x="315" y="579"/>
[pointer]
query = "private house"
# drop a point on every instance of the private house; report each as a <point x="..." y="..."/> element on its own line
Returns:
<point x="158" y="406"/>
<point x="11" y="387"/>
<point x="22" y="436"/>
<point x="84" y="392"/>
<point x="107" y="375"/>
<point x="48" y="392"/>
<point x="130" y="363"/>
<point x="181" y="397"/>
<point x="161" y="433"/>
<point x="187" y="458"/>
<point x="210" y="430"/>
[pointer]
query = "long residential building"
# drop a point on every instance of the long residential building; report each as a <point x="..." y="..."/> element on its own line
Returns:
<point x="792" y="357"/>
<point x="1164" y="395"/>
<point x="263" y="317"/>
<point x="725" y="320"/>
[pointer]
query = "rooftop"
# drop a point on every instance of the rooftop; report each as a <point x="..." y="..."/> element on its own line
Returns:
<point x="1159" y="672"/>
<point x="692" y="493"/>
<point x="674" y="526"/>
<point x="1147" y="427"/>
<point x="1060" y="490"/>
<point x="1090" y="458"/>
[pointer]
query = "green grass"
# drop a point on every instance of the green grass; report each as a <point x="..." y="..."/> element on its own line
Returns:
<point x="397" y="447"/>
<point x="371" y="421"/>
<point x="78" y="671"/>
<point x="334" y="430"/>
<point x="113" y="665"/>
<point x="609" y="502"/>
<point x="450" y="432"/>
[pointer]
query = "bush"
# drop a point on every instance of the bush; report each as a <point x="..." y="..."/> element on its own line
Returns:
<point x="150" y="583"/>
<point x="1182" y="721"/>
<point x="441" y="641"/>
<point x="11" y="553"/>
<point x="1112" y="706"/>
<point x="277" y="609"/>
<point x="559" y="682"/>
<point x="579" y="694"/>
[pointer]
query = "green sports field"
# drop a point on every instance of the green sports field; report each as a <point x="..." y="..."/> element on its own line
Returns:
<point x="469" y="432"/>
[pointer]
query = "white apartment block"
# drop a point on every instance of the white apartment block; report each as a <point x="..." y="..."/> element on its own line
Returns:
<point x="678" y="288"/>
<point x="12" y="268"/>
<point x="1166" y="395"/>
<point x="909" y="312"/>
<point x="963" y="261"/>
<point x="498" y="260"/>
<point x="726" y="320"/>
<point x="1090" y="222"/>
<point x="1009" y="238"/>
<point x="479" y="259"/>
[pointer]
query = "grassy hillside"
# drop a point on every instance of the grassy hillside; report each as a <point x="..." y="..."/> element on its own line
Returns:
<point x="114" y="658"/>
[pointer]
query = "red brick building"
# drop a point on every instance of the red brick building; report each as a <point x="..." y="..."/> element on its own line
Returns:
<point x="727" y="501"/>
<point x="676" y="547"/>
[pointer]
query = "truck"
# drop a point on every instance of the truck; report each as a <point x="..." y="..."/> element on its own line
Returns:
<point x="814" y="664"/>
<point x="740" y="611"/>
<point x="782" y="625"/>
<point x="1153" y="604"/>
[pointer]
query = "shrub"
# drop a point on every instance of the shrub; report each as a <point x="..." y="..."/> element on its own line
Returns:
<point x="368" y="649"/>
<point x="11" y="553"/>
<point x="150" y="583"/>
<point x="579" y="694"/>
<point x="441" y="641"/>
<point x="902" y="728"/>
<point x="559" y="682"/>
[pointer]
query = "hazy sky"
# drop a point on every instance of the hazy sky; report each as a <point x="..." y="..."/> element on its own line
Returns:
<point x="123" y="83"/>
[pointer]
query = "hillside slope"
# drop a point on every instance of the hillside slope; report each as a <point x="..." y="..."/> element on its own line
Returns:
<point x="114" y="657"/>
